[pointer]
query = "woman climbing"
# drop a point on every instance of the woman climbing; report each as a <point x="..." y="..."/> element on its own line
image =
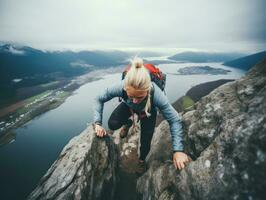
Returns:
<point x="142" y="96"/>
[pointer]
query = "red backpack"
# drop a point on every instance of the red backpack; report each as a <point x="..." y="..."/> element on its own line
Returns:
<point x="157" y="76"/>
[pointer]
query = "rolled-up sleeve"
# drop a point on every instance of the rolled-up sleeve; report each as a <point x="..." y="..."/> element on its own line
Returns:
<point x="108" y="94"/>
<point x="172" y="117"/>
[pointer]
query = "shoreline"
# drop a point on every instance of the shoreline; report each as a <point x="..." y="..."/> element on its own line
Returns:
<point x="47" y="101"/>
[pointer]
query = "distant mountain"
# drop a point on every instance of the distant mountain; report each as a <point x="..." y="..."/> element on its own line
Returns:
<point x="22" y="66"/>
<point x="200" y="57"/>
<point x="246" y="62"/>
<point x="19" y="62"/>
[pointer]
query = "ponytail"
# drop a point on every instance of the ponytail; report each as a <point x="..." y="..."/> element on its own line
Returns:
<point x="138" y="77"/>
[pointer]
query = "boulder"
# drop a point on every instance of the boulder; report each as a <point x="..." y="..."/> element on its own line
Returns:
<point x="85" y="169"/>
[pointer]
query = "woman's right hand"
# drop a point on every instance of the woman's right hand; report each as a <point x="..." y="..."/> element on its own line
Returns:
<point x="100" y="131"/>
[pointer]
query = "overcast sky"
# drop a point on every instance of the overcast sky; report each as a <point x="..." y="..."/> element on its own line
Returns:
<point x="216" y="25"/>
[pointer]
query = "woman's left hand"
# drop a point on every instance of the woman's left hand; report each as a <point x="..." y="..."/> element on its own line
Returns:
<point x="180" y="159"/>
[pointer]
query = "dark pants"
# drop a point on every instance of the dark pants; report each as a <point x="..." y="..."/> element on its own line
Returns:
<point x="120" y="116"/>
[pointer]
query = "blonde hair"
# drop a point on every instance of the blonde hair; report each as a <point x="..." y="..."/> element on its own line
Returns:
<point x="138" y="77"/>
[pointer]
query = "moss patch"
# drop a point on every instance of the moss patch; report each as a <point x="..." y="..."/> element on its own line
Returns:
<point x="187" y="102"/>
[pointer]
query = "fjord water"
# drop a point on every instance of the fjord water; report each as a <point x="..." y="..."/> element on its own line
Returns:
<point x="38" y="143"/>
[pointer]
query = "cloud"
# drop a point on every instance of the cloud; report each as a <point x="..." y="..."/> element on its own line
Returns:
<point x="134" y="23"/>
<point x="13" y="50"/>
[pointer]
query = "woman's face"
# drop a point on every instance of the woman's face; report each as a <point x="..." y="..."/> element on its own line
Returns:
<point x="136" y="96"/>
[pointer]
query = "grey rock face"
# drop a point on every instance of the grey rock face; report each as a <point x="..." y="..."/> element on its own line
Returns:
<point x="226" y="133"/>
<point x="85" y="169"/>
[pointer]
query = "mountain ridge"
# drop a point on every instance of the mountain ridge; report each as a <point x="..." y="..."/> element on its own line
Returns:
<point x="199" y="57"/>
<point x="224" y="133"/>
<point x="245" y="63"/>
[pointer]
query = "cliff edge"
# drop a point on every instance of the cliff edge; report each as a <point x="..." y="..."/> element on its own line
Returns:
<point x="225" y="134"/>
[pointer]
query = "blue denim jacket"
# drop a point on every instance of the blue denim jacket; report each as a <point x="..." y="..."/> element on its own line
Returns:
<point x="159" y="100"/>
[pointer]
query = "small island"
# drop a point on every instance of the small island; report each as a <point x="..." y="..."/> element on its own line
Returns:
<point x="201" y="70"/>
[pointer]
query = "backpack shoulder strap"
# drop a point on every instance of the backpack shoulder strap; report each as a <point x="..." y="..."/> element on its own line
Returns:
<point x="124" y="96"/>
<point x="152" y="93"/>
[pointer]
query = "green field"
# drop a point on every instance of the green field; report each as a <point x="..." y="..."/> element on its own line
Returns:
<point x="49" y="84"/>
<point x="31" y="99"/>
<point x="187" y="102"/>
<point x="63" y="94"/>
